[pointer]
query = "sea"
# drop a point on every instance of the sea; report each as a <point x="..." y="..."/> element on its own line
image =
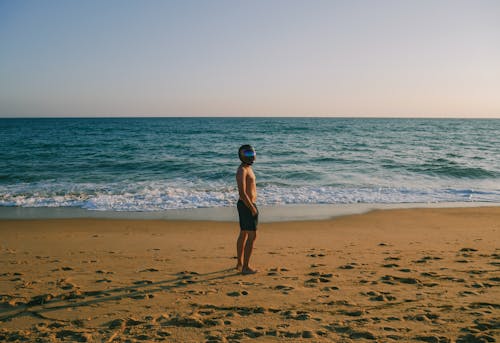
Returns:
<point x="158" y="164"/>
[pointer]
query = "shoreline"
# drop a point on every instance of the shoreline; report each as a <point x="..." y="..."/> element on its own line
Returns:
<point x="268" y="214"/>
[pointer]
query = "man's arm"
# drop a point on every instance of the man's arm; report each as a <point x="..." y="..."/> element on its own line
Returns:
<point x="241" y="176"/>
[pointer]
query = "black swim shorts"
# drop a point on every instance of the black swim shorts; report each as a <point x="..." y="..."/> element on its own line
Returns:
<point x="247" y="220"/>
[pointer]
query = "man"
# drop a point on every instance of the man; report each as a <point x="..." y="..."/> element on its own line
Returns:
<point x="247" y="210"/>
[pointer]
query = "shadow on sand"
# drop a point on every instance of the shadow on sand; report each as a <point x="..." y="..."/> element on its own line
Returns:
<point x="40" y="304"/>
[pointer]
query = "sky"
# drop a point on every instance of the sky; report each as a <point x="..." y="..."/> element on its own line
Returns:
<point x="250" y="58"/>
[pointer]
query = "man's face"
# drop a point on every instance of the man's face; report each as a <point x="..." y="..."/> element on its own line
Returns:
<point x="250" y="156"/>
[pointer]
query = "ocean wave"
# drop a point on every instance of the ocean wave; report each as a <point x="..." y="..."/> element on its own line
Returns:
<point x="157" y="196"/>
<point x="447" y="168"/>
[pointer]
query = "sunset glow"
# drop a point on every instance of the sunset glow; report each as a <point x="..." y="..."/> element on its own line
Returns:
<point x="250" y="58"/>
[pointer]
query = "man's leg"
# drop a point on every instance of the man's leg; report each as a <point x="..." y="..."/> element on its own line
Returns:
<point x="252" y="235"/>
<point x="240" y="244"/>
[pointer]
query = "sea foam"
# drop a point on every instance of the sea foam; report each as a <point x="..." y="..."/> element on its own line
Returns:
<point x="157" y="196"/>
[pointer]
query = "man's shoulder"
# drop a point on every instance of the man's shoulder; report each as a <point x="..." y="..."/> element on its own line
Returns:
<point x="240" y="170"/>
<point x="244" y="170"/>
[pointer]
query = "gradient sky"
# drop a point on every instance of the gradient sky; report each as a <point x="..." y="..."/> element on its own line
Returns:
<point x="250" y="58"/>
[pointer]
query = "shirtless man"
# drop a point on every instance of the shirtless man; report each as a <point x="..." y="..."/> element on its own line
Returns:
<point x="247" y="209"/>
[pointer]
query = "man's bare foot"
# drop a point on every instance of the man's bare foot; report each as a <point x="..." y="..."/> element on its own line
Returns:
<point x="248" y="271"/>
<point x="239" y="267"/>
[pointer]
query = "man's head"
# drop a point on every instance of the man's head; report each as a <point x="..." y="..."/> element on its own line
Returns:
<point x="247" y="154"/>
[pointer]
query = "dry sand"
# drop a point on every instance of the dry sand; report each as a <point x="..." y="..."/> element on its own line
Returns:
<point x="418" y="275"/>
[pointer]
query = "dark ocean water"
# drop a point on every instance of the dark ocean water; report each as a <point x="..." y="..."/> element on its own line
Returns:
<point x="145" y="164"/>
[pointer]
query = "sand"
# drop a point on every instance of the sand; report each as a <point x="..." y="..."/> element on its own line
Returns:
<point x="415" y="275"/>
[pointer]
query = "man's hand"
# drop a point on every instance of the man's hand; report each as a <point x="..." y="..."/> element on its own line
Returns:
<point x="254" y="211"/>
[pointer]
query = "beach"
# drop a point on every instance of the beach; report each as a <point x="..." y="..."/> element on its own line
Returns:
<point x="412" y="275"/>
<point x="147" y="145"/>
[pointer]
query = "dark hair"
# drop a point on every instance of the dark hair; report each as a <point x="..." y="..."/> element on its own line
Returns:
<point x="241" y="154"/>
<point x="244" y="147"/>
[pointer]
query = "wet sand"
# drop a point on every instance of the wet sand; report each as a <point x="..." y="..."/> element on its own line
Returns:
<point x="412" y="275"/>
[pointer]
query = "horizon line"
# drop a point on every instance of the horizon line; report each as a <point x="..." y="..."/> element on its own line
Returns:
<point x="360" y="116"/>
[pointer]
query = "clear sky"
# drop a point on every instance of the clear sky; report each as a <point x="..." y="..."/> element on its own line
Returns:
<point x="250" y="58"/>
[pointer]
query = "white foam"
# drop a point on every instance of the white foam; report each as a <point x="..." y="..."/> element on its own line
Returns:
<point x="181" y="194"/>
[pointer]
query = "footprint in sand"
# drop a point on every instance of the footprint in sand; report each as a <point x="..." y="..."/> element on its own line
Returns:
<point x="426" y="259"/>
<point x="104" y="280"/>
<point x="296" y="334"/>
<point x="350" y="332"/>
<point x="484" y="305"/>
<point x="285" y="289"/>
<point x="276" y="271"/>
<point x="379" y="296"/>
<point x="253" y="333"/>
<point x="193" y="320"/>
<point x="391" y="280"/>
<point x="468" y="250"/>
<point x="40" y="299"/>
<point x="316" y="265"/>
<point x="74" y="336"/>
<point x="392" y="258"/>
<point x="318" y="277"/>
<point x="452" y="278"/>
<point x="481" y="337"/>
<point x="430" y="274"/>
<point x="330" y="288"/>
<point x="142" y="282"/>
<point x="141" y="296"/>
<point x="349" y="266"/>
<point x="432" y="339"/>
<point x="103" y="272"/>
<point x="425" y="317"/>
<point x="315" y="255"/>
<point x="467" y="293"/>
<point x="390" y="265"/>
<point x="261" y="332"/>
<point x="186" y="278"/>
<point x="115" y="323"/>
<point x="64" y="284"/>
<point x="431" y="284"/>
<point x="163" y="333"/>
<point x="214" y="337"/>
<point x="197" y="292"/>
<point x="131" y="321"/>
<point x="480" y="331"/>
